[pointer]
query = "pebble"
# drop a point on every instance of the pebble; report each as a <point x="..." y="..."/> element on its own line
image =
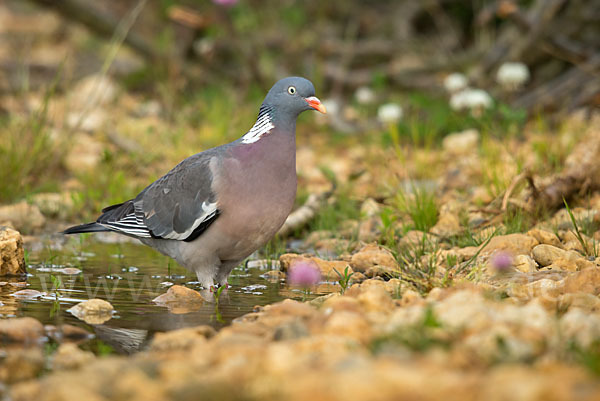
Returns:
<point x="370" y="256"/>
<point x="23" y="216"/>
<point x="21" y="330"/>
<point x="12" y="260"/>
<point x="515" y="244"/>
<point x="179" y="299"/>
<point x="93" y="311"/>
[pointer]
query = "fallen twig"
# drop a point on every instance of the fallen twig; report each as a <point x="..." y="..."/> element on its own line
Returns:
<point x="305" y="213"/>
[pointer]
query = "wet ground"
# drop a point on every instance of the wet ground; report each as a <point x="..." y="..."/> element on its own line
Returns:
<point x="130" y="276"/>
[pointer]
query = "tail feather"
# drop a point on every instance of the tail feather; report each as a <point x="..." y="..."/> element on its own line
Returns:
<point x="85" y="228"/>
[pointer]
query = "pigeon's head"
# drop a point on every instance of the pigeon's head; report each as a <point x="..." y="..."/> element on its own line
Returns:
<point x="293" y="95"/>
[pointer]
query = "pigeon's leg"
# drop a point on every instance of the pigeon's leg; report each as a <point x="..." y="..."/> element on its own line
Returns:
<point x="224" y="271"/>
<point x="206" y="277"/>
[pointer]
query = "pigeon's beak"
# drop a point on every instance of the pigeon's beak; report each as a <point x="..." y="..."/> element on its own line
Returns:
<point x="316" y="104"/>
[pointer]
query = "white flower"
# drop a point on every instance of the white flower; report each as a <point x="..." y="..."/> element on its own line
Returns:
<point x="365" y="95"/>
<point x="512" y="75"/>
<point x="472" y="99"/>
<point x="455" y="82"/>
<point x="389" y="113"/>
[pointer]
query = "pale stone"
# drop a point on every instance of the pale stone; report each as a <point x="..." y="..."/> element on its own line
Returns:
<point x="548" y="254"/>
<point x="545" y="237"/>
<point x="587" y="281"/>
<point x="93" y="311"/>
<point x="69" y="356"/>
<point x="463" y="142"/>
<point x="85" y="153"/>
<point x="515" y="244"/>
<point x="179" y="299"/>
<point x="53" y="204"/>
<point x="22" y="330"/>
<point x="93" y="91"/>
<point x="448" y="225"/>
<point x="525" y="264"/>
<point x="370" y="208"/>
<point x="183" y="339"/>
<point x="12" y="255"/>
<point x="24" y="217"/>
<point x="581" y="327"/>
<point x="328" y="268"/>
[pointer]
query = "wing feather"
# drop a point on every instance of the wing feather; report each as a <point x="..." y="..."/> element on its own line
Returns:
<point x="181" y="205"/>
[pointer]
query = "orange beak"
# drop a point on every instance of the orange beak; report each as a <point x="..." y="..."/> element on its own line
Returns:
<point x="316" y="104"/>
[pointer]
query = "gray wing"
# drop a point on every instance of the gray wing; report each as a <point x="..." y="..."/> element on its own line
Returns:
<point x="179" y="206"/>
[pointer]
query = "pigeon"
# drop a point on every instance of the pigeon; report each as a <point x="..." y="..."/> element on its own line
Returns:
<point x="217" y="207"/>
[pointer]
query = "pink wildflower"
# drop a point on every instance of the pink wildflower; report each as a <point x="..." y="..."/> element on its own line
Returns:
<point x="304" y="274"/>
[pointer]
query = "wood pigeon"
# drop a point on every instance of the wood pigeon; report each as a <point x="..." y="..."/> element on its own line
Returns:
<point x="217" y="207"/>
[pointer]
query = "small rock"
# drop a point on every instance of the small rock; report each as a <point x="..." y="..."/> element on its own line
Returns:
<point x="516" y="244"/>
<point x="368" y="230"/>
<point x="180" y="299"/>
<point x="545" y="237"/>
<point x="587" y="281"/>
<point x="93" y="90"/>
<point x="448" y="225"/>
<point x="572" y="242"/>
<point x="544" y="287"/>
<point x="411" y="297"/>
<point x="463" y="142"/>
<point x="337" y="302"/>
<point x="53" y="204"/>
<point x="22" y="330"/>
<point x="334" y="246"/>
<point x="24" y="217"/>
<point x="327" y="267"/>
<point x="262" y="264"/>
<point x="374" y="297"/>
<point x="290" y="331"/>
<point x="69" y="356"/>
<point x="316" y="236"/>
<point x="370" y="208"/>
<point x="358" y="277"/>
<point x="69" y="270"/>
<point x="570" y="265"/>
<point x="525" y="264"/>
<point x="67" y="332"/>
<point x="481" y="196"/>
<point x="348" y="324"/>
<point x="580" y="327"/>
<point x="85" y="153"/>
<point x="93" y="311"/>
<point x="182" y="339"/>
<point x="586" y="302"/>
<point x="12" y="255"/>
<point x="273" y="275"/>
<point x="547" y="254"/>
<point x="20" y="364"/>
<point x="381" y="271"/>
<point x="416" y="238"/>
<point x="372" y="255"/>
<point x="27" y="294"/>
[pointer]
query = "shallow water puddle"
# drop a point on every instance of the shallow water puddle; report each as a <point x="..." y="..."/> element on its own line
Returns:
<point x="129" y="276"/>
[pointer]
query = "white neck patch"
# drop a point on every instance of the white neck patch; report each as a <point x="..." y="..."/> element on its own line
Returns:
<point x="262" y="126"/>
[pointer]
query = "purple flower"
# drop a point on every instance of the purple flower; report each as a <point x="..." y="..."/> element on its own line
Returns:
<point x="501" y="261"/>
<point x="304" y="273"/>
<point x="225" y="3"/>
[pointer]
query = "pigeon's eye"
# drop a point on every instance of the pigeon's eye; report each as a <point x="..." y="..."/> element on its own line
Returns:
<point x="292" y="90"/>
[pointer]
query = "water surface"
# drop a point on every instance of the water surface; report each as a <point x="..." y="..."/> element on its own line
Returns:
<point x="130" y="276"/>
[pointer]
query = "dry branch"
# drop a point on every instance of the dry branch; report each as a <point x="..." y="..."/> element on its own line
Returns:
<point x="304" y="214"/>
<point x="582" y="171"/>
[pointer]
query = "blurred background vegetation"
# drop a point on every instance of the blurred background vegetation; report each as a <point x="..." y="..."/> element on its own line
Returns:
<point x="99" y="98"/>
